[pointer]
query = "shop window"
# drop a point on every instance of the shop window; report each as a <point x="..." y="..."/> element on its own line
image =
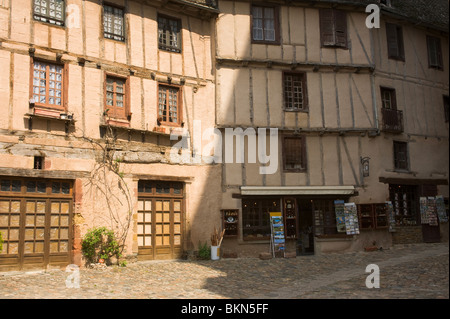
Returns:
<point x="295" y="94"/>
<point x="169" y="105"/>
<point x="48" y="85"/>
<point x="373" y="216"/>
<point x="50" y="11"/>
<point x="294" y="153"/>
<point x="401" y="155"/>
<point x="113" y="23"/>
<point x="324" y="217"/>
<point x="405" y="203"/>
<point x="169" y="34"/>
<point x="333" y="28"/>
<point x="394" y="35"/>
<point x="116" y="96"/>
<point x="61" y="188"/>
<point x="256" y="218"/>
<point x="434" y="53"/>
<point x="265" y="25"/>
<point x="8" y="185"/>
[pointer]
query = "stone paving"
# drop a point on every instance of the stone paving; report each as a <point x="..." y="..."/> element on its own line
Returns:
<point x="408" y="271"/>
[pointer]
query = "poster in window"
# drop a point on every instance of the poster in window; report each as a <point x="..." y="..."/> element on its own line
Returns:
<point x="440" y="207"/>
<point x="351" y="219"/>
<point x="340" y="215"/>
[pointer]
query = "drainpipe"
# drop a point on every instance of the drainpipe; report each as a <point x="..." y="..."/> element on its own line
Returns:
<point x="374" y="101"/>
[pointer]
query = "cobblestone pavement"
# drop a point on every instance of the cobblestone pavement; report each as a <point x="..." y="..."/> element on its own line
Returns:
<point x="410" y="271"/>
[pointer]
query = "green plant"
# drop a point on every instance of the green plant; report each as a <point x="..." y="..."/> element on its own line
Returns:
<point x="100" y="243"/>
<point x="204" y="251"/>
<point x="123" y="263"/>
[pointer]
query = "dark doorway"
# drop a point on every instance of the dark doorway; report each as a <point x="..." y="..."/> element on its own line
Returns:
<point x="305" y="244"/>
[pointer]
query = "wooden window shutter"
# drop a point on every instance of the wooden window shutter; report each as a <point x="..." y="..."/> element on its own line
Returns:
<point x="395" y="41"/>
<point x="391" y="33"/>
<point x="327" y="34"/>
<point x="434" y="52"/>
<point x="340" y="18"/>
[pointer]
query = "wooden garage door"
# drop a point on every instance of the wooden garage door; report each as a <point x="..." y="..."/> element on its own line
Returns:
<point x="35" y="219"/>
<point x="159" y="224"/>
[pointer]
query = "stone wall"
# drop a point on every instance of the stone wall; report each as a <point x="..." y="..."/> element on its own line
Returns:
<point x="407" y="235"/>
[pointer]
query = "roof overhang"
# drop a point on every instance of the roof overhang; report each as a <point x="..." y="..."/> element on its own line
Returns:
<point x="297" y="190"/>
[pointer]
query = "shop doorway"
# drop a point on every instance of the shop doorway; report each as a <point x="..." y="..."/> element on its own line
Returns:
<point x="306" y="229"/>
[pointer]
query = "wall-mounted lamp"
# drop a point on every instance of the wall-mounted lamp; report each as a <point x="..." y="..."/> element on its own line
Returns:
<point x="365" y="166"/>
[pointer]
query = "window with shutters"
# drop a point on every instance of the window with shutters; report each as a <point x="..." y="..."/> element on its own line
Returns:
<point x="113" y="23"/>
<point x="265" y="25"/>
<point x="294" y="154"/>
<point x="395" y="46"/>
<point x="48" y="85"/>
<point x="434" y="53"/>
<point x="401" y="155"/>
<point x="333" y="28"/>
<point x="295" y="94"/>
<point x="116" y="96"/>
<point x="169" y="105"/>
<point x="50" y="11"/>
<point x="169" y="34"/>
<point x="388" y="98"/>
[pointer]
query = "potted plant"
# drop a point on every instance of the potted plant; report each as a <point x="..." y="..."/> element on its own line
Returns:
<point x="216" y="240"/>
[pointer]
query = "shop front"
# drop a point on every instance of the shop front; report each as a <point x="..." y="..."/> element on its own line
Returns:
<point x="309" y="219"/>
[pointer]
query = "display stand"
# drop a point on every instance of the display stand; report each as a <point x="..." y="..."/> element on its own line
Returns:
<point x="277" y="238"/>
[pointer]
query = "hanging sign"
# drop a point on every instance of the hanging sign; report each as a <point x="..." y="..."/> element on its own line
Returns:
<point x="351" y="219"/>
<point x="277" y="228"/>
<point x="340" y="215"/>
